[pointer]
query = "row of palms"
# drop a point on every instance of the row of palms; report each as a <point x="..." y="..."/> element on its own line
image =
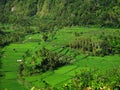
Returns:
<point x="101" y="44"/>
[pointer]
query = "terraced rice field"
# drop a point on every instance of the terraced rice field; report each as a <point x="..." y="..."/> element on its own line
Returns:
<point x="10" y="65"/>
<point x="58" y="77"/>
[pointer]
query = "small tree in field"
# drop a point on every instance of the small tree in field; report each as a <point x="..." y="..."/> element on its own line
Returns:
<point x="45" y="37"/>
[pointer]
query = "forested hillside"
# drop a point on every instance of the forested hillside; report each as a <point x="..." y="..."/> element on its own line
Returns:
<point x="62" y="12"/>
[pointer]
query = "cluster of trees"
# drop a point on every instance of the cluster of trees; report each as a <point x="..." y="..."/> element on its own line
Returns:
<point x="42" y="61"/>
<point x="14" y="33"/>
<point x="8" y="37"/>
<point x="5" y="39"/>
<point x="102" y="43"/>
<point x="90" y="80"/>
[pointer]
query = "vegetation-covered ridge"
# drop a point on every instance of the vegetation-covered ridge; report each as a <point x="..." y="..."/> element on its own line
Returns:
<point x="61" y="12"/>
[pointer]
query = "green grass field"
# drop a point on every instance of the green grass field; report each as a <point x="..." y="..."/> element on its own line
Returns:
<point x="59" y="76"/>
<point x="10" y="65"/>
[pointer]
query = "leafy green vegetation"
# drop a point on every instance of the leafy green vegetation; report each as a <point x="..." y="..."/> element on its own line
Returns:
<point x="46" y="62"/>
<point x="59" y="44"/>
<point x="104" y="42"/>
<point x="92" y="79"/>
<point x="48" y="13"/>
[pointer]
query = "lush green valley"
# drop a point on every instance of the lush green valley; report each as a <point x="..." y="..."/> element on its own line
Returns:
<point x="55" y="60"/>
<point x="60" y="45"/>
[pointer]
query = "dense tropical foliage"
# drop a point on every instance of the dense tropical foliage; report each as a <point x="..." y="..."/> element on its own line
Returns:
<point x="60" y="44"/>
<point x="61" y="12"/>
<point x="105" y="42"/>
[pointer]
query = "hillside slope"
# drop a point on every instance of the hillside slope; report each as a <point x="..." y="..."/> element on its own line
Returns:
<point x="64" y="12"/>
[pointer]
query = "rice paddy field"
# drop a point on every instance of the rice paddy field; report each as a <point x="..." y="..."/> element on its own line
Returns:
<point x="57" y="78"/>
<point x="10" y="65"/>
